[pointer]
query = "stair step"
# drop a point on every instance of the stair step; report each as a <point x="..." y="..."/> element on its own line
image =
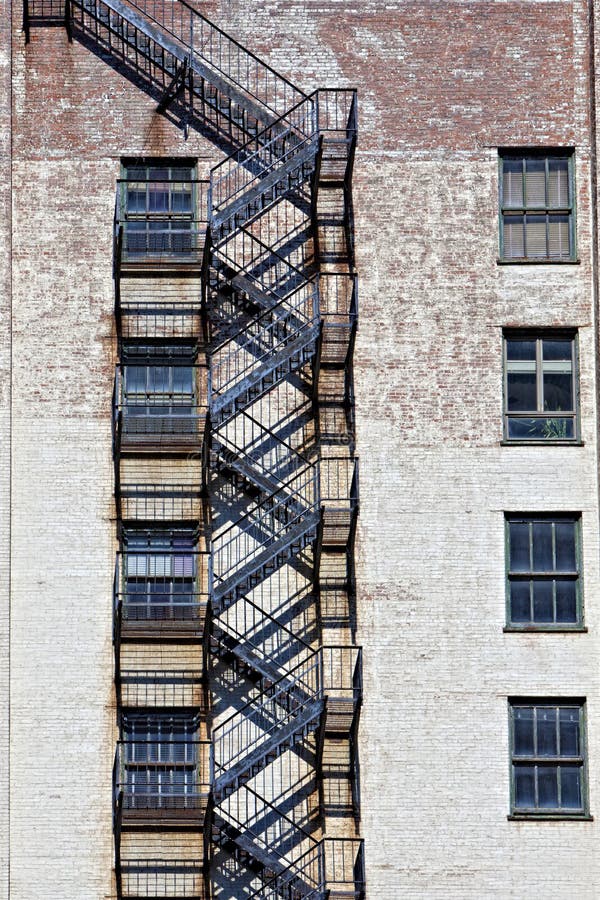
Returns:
<point x="243" y="771"/>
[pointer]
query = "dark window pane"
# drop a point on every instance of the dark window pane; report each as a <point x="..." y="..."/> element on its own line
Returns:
<point x="524" y="787"/>
<point x="521" y="391"/>
<point x="569" y="732"/>
<point x="570" y="787"/>
<point x="136" y="199"/>
<point x="566" y="601"/>
<point x="558" y="428"/>
<point x="542" y="547"/>
<point x="526" y="429"/>
<point x="520" y="603"/>
<point x="519" y="547"/>
<point x="158" y="198"/>
<point x="566" y="560"/>
<point x="183" y="380"/>
<point x="517" y="349"/>
<point x="547" y="787"/>
<point x="546" y="731"/>
<point x="557" y="350"/>
<point x="135" y="379"/>
<point x="543" y="608"/>
<point x="558" y="391"/>
<point x="523" y="731"/>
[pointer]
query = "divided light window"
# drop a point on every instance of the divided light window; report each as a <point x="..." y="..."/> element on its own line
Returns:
<point x="160" y="572"/>
<point x="544" y="571"/>
<point x="540" y="387"/>
<point x="537" y="219"/>
<point x="159" y="379"/>
<point x="160" y="760"/>
<point x="548" y="776"/>
<point x="158" y="204"/>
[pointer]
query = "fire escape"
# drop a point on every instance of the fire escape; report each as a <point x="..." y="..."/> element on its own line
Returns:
<point x="238" y="682"/>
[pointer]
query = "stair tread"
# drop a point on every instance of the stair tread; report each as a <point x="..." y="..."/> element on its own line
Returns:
<point x="242" y="770"/>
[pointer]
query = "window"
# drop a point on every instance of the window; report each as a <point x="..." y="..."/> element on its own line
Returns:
<point x="159" y="390"/>
<point x="547" y="758"/>
<point x="536" y="207"/>
<point x="158" y="208"/>
<point x="160" y="761"/>
<point x="543" y="571"/>
<point x="159" y="575"/>
<point x="540" y="387"/>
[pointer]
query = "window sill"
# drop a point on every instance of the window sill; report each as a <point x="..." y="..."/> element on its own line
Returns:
<point x="550" y="817"/>
<point x="545" y="629"/>
<point x="537" y="262"/>
<point x="516" y="442"/>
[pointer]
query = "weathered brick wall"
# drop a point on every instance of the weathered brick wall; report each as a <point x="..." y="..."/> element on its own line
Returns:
<point x="5" y="439"/>
<point x="441" y="86"/>
<point x="74" y="118"/>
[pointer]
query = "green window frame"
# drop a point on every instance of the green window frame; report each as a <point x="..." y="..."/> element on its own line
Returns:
<point x="541" y="386"/>
<point x="548" y="758"/>
<point x="537" y="207"/>
<point x="543" y="572"/>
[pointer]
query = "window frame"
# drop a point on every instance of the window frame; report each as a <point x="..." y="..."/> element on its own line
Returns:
<point x="539" y="335"/>
<point x="554" y="517"/>
<point x="175" y="550"/>
<point x="176" y="226"/>
<point x="159" y="771"/>
<point x="570" y="211"/>
<point x="540" y="813"/>
<point x="170" y="356"/>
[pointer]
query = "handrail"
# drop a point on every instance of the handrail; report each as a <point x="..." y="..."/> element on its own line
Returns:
<point x="226" y="626"/>
<point x="251" y="516"/>
<point x="266" y="314"/>
<point x="284" y="678"/>
<point x="210" y="43"/>
<point x="242" y="368"/>
<point x="294" y="870"/>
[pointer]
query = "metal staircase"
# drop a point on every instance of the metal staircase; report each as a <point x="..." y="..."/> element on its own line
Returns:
<point x="277" y="317"/>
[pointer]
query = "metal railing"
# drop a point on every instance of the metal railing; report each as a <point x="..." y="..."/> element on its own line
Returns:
<point x="163" y="775"/>
<point x="163" y="417"/>
<point x="159" y="314"/>
<point x="269" y="273"/>
<point x="337" y="111"/>
<point x="256" y="349"/>
<point x="272" y="150"/>
<point x="241" y="548"/>
<point x="204" y="44"/>
<point x="263" y="638"/>
<point x="160" y="688"/>
<point x="276" y="833"/>
<point x="341" y="674"/>
<point x="162" y="878"/>
<point x="339" y="481"/>
<point x="305" y="878"/>
<point x="344" y="868"/>
<point x="159" y="587"/>
<point x="252" y="727"/>
<point x="272" y="460"/>
<point x="160" y="502"/>
<point x="154" y="233"/>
